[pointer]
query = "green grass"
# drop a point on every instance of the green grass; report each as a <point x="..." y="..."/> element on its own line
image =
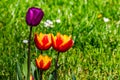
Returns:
<point x="96" y="51"/>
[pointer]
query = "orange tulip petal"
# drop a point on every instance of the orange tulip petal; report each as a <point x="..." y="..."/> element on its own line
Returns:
<point x="66" y="46"/>
<point x="59" y="40"/>
<point x="37" y="63"/>
<point x="47" y="66"/>
<point x="45" y="40"/>
<point x="53" y="41"/>
<point x="41" y="64"/>
<point x="37" y="43"/>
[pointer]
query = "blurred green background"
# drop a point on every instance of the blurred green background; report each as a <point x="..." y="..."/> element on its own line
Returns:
<point x="93" y="24"/>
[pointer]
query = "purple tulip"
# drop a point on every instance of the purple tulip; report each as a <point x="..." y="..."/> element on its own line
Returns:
<point x="34" y="16"/>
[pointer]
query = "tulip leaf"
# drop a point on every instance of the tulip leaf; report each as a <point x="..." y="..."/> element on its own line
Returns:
<point x="24" y="66"/>
<point x="36" y="74"/>
<point x="32" y="68"/>
<point x="73" y="77"/>
<point x="51" y="77"/>
<point x="19" y="74"/>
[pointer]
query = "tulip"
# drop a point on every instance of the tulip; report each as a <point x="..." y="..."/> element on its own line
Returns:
<point x="43" y="62"/>
<point x="43" y="41"/>
<point x="62" y="43"/>
<point x="31" y="77"/>
<point x="34" y="16"/>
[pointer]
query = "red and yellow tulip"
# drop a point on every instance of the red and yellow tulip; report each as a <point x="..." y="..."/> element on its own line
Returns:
<point x="43" y="62"/>
<point x="31" y="77"/>
<point x="62" y="43"/>
<point x="43" y="41"/>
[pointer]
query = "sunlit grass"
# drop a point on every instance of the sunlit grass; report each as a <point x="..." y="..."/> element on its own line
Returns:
<point x="95" y="54"/>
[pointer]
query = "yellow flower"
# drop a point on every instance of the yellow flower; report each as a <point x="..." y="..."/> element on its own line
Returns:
<point x="99" y="16"/>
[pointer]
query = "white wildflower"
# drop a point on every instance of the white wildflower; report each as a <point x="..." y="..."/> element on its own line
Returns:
<point x="48" y="23"/>
<point x="58" y="21"/>
<point x="25" y="41"/>
<point x="106" y="19"/>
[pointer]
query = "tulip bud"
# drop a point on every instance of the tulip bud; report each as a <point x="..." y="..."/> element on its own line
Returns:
<point x="62" y="43"/>
<point x="31" y="77"/>
<point x="34" y="16"/>
<point x="43" y="41"/>
<point x="43" y="62"/>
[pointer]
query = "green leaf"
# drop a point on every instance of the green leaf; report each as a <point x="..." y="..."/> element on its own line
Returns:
<point x="24" y="66"/>
<point x="36" y="74"/>
<point x="19" y="74"/>
<point x="51" y="77"/>
<point x="73" y="77"/>
<point x="32" y="67"/>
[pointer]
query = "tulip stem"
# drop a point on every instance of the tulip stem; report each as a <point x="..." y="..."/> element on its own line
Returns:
<point x="56" y="66"/>
<point x="41" y="52"/>
<point x="41" y="72"/>
<point x="28" y="74"/>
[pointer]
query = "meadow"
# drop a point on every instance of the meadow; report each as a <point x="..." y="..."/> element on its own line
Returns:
<point x="93" y="24"/>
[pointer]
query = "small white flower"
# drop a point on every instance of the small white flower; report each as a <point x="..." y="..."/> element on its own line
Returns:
<point x="58" y="21"/>
<point x="106" y="19"/>
<point x="48" y="23"/>
<point x="25" y="41"/>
